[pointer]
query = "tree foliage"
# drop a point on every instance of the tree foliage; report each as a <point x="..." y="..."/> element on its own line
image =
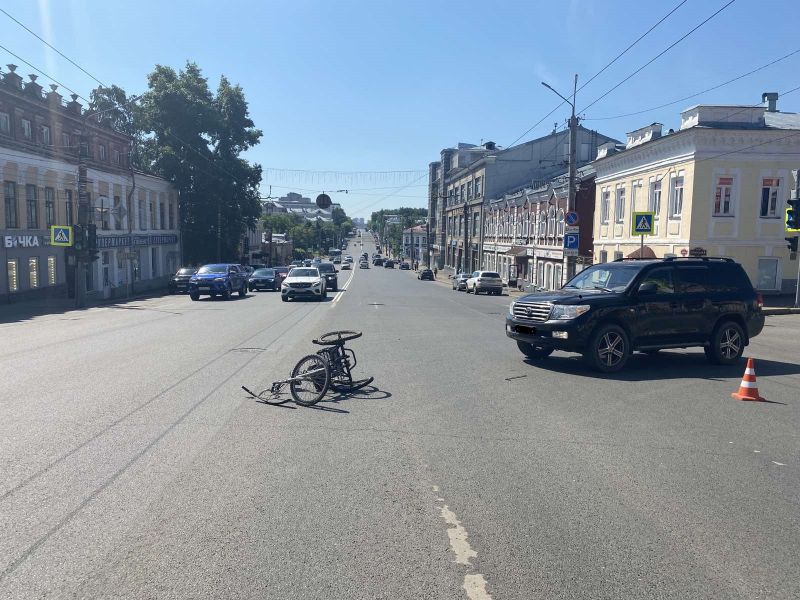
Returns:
<point x="392" y="232"/>
<point x="195" y="139"/>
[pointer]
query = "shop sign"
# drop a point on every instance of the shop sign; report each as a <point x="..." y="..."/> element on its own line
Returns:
<point x="554" y="254"/>
<point x="488" y="247"/>
<point x="25" y="241"/>
<point x="122" y="241"/>
<point x="697" y="252"/>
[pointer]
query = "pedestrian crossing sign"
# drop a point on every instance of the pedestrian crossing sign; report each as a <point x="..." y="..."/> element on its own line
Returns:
<point x="643" y="223"/>
<point x="61" y="235"/>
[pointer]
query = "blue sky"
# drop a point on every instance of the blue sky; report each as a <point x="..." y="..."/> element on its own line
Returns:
<point x="383" y="85"/>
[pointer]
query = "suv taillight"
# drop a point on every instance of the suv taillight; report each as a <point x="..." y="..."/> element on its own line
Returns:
<point x="759" y="301"/>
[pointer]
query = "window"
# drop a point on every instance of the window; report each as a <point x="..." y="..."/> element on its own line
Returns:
<point x="585" y="152"/>
<point x="654" y="201"/>
<point x="27" y="132"/>
<point x="11" y="273"/>
<point x="5" y="123"/>
<point x="171" y="215"/>
<point x="101" y="152"/>
<point x="617" y="255"/>
<point x="663" y="279"/>
<point x="603" y="256"/>
<point x="104" y="214"/>
<point x="767" y="274"/>
<point x="478" y="188"/>
<point x="33" y="271"/>
<point x="619" y="205"/>
<point x="475" y="222"/>
<point x="634" y="186"/>
<point x="142" y="216"/>
<point x="605" y="199"/>
<point x="154" y="262"/>
<point x="46" y="140"/>
<point x="561" y="223"/>
<point x="722" y="197"/>
<point x="49" y="206"/>
<point x="551" y="222"/>
<point x="117" y="213"/>
<point x="68" y="205"/>
<point x="694" y="280"/>
<point x="462" y="191"/>
<point x="161" y="221"/>
<point x="769" y="197"/>
<point x="115" y="156"/>
<point x="51" y="270"/>
<point x="676" y="197"/>
<point x="470" y="188"/>
<point x="10" y="193"/>
<point x="31" y="201"/>
<point x="65" y="140"/>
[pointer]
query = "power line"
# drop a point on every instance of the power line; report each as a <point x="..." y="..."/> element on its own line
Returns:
<point x="743" y="148"/>
<point x="737" y="78"/>
<point x="593" y="77"/>
<point x="50" y="77"/>
<point x="386" y="197"/>
<point x="45" y="42"/>
<point x="659" y="55"/>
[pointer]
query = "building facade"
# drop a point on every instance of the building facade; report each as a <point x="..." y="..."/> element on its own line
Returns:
<point x="467" y="177"/>
<point x="136" y="215"/>
<point x="415" y="243"/>
<point x="524" y="231"/>
<point x="718" y="187"/>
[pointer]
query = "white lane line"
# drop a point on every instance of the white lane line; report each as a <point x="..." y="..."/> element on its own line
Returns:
<point x="475" y="586"/>
<point x="343" y="288"/>
<point x="458" y="538"/>
<point x="779" y="464"/>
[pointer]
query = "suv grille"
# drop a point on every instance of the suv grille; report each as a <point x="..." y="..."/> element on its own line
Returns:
<point x="300" y="285"/>
<point x="534" y="312"/>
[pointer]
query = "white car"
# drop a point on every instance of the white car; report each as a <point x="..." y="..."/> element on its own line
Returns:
<point x="348" y="258"/>
<point x="304" y="282"/>
<point x="488" y="282"/>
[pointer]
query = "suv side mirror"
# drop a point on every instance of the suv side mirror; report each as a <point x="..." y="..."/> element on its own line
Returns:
<point x="647" y="288"/>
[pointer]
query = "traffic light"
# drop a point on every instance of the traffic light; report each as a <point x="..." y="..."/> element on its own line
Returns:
<point x="91" y="237"/>
<point x="792" y="243"/>
<point x="78" y="233"/>
<point x="793" y="214"/>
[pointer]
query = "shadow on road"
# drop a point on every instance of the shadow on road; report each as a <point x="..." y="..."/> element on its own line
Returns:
<point x="25" y="310"/>
<point x="664" y="366"/>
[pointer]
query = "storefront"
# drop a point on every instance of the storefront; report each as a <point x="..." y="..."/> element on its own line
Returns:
<point x="139" y="261"/>
<point x="32" y="267"/>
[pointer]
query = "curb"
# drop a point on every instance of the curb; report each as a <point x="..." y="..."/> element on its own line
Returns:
<point x="781" y="310"/>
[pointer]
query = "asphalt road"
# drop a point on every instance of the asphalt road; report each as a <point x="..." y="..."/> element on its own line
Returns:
<point x="132" y="465"/>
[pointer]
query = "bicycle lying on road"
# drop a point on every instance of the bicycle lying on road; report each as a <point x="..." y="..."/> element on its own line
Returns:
<point x="315" y="374"/>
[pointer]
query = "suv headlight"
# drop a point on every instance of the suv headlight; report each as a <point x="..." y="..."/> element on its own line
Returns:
<point x="511" y="307"/>
<point x="219" y="279"/>
<point x="568" y="311"/>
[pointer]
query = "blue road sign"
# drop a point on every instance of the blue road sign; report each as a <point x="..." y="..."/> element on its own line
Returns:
<point x="61" y="235"/>
<point x="643" y="223"/>
<point x="571" y="242"/>
<point x="571" y="218"/>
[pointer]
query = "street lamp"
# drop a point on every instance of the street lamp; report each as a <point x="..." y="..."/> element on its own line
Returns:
<point x="573" y="140"/>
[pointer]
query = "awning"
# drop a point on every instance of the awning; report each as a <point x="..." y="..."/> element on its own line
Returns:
<point x="643" y="252"/>
<point x="517" y="251"/>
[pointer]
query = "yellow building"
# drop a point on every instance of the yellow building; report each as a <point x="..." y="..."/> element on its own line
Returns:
<point x="718" y="187"/>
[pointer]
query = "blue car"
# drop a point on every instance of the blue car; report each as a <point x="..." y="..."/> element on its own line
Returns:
<point x="221" y="279"/>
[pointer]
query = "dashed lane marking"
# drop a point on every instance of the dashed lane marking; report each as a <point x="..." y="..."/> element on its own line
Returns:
<point x="338" y="295"/>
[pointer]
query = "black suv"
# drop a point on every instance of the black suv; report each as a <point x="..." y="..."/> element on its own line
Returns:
<point x="329" y="272"/>
<point x="609" y="310"/>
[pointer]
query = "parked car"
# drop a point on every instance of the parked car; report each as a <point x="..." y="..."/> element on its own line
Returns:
<point x="363" y="265"/>
<point x="304" y="282"/>
<point x="460" y="281"/>
<point x="328" y="270"/>
<point x="404" y="266"/>
<point x="180" y="281"/>
<point x="264" y="279"/>
<point x="425" y="274"/>
<point x="388" y="264"/>
<point x="488" y="282"/>
<point x="609" y="310"/>
<point x="346" y="266"/>
<point x="218" y="279"/>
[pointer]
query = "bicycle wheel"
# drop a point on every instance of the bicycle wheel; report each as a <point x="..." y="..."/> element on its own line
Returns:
<point x="311" y="378"/>
<point x="336" y="337"/>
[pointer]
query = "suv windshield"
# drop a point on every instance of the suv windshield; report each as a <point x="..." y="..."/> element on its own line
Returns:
<point x="303" y="273"/>
<point x="187" y="271"/>
<point x="326" y="268"/>
<point x="263" y="273"/>
<point x="213" y="269"/>
<point x="610" y="277"/>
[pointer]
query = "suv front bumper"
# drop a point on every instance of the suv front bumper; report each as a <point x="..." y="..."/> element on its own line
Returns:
<point x="573" y="332"/>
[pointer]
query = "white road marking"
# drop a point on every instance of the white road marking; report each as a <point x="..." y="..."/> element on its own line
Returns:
<point x="458" y="538"/>
<point x="338" y="295"/>
<point x="757" y="451"/>
<point x="475" y="586"/>
<point x="436" y="488"/>
<point x="779" y="464"/>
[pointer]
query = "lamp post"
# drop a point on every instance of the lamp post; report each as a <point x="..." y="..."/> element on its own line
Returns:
<point x="573" y="138"/>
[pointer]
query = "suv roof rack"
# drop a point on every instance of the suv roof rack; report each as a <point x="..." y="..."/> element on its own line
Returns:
<point x="672" y="258"/>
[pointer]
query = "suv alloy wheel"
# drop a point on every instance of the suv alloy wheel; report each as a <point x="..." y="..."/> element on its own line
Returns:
<point x="727" y="344"/>
<point x="608" y="349"/>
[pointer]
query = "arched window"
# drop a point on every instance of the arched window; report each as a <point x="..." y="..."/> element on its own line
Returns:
<point x="551" y="222"/>
<point x="560" y="230"/>
<point x="542" y="224"/>
<point x="548" y="275"/>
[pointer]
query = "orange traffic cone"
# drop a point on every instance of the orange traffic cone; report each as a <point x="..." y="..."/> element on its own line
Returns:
<point x="748" y="389"/>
